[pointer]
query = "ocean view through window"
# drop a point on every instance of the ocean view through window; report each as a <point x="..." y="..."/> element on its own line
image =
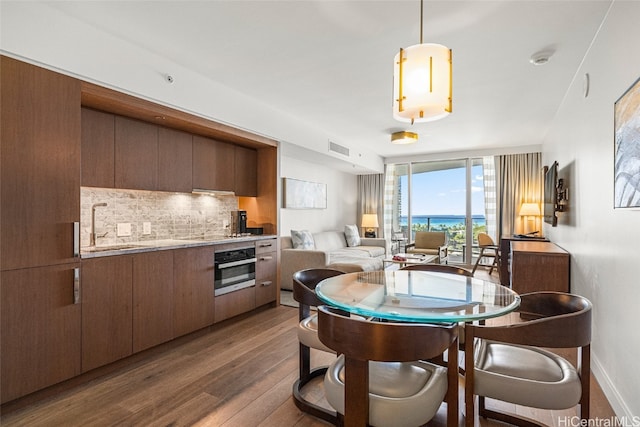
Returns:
<point x="444" y="196"/>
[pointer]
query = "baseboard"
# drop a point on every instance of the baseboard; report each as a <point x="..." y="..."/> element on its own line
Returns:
<point x="620" y="408"/>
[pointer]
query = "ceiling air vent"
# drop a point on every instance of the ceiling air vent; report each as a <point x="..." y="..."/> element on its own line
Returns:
<point x="337" y="148"/>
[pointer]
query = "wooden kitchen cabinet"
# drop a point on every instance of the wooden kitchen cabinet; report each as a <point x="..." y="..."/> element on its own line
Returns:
<point x="193" y="275"/>
<point x="40" y="166"/>
<point x="246" y="172"/>
<point x="174" y="160"/>
<point x="234" y="303"/>
<point x="40" y="329"/>
<point x="136" y="154"/>
<point x="152" y="299"/>
<point x="266" y="271"/>
<point x="213" y="164"/>
<point x="106" y="289"/>
<point x="98" y="150"/>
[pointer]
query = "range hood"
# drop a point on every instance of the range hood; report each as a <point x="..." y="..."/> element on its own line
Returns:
<point x="218" y="193"/>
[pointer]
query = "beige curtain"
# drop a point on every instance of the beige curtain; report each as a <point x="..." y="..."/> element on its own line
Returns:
<point x="370" y="194"/>
<point x="519" y="178"/>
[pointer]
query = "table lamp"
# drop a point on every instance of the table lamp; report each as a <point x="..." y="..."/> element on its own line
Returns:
<point x="528" y="210"/>
<point x="369" y="223"/>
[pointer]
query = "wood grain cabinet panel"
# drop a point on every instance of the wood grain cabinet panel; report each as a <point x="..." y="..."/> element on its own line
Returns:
<point x="266" y="271"/>
<point x="98" y="149"/>
<point x="136" y="154"/>
<point x="152" y="299"/>
<point x="246" y="172"/>
<point x="213" y="164"/>
<point x="235" y="303"/>
<point x="40" y="165"/>
<point x="106" y="310"/>
<point x="39" y="327"/>
<point x="193" y="273"/>
<point x="539" y="266"/>
<point x="174" y="160"/>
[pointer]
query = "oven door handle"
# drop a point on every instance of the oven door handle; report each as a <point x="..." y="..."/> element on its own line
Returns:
<point x="236" y="263"/>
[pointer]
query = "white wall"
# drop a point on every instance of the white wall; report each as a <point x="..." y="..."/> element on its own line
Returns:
<point x="38" y="33"/>
<point x="341" y="198"/>
<point x="604" y="243"/>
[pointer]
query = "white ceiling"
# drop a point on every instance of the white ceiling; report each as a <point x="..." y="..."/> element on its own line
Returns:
<point x="331" y="62"/>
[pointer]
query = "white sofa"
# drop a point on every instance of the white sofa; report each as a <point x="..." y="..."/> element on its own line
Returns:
<point x="331" y="251"/>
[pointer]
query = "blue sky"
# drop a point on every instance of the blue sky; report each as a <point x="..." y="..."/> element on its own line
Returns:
<point x="443" y="192"/>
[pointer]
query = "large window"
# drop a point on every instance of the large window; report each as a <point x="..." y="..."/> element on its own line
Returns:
<point x="439" y="196"/>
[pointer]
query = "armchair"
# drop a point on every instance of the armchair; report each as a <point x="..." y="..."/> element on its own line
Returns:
<point x="430" y="243"/>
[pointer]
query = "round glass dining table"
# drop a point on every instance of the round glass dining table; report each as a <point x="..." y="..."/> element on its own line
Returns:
<point x="417" y="296"/>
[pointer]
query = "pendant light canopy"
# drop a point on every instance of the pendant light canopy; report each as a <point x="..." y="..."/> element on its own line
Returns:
<point x="422" y="82"/>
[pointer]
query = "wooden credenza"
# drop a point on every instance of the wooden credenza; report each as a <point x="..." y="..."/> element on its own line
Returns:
<point x="539" y="266"/>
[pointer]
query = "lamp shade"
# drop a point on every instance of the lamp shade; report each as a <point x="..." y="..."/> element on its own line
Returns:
<point x="370" y="221"/>
<point x="422" y="83"/>
<point x="530" y="209"/>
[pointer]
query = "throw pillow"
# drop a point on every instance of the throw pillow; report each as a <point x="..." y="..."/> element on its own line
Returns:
<point x="302" y="239"/>
<point x="352" y="235"/>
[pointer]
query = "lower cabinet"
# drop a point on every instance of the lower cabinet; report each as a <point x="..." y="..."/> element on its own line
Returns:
<point x="193" y="275"/>
<point x="152" y="299"/>
<point x="234" y="303"/>
<point x="107" y="286"/>
<point x="266" y="283"/>
<point x="40" y="328"/>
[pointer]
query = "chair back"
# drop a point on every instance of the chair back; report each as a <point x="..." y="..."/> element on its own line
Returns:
<point x="430" y="239"/>
<point x="439" y="268"/>
<point x="485" y="240"/>
<point x="382" y="341"/>
<point x="304" y="285"/>
<point x="559" y="320"/>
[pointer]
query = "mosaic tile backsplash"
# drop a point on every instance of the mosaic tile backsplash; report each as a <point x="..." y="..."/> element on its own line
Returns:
<point x="171" y="215"/>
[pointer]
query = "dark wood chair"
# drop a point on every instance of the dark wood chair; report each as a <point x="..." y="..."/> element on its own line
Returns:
<point x="520" y="370"/>
<point x="304" y="284"/>
<point x="366" y="384"/>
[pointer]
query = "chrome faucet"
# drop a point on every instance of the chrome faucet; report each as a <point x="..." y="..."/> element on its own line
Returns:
<point x="92" y="235"/>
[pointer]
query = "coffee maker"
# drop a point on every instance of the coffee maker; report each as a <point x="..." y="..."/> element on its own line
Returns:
<point x="238" y="223"/>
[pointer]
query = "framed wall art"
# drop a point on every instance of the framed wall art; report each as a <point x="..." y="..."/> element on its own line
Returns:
<point x="627" y="149"/>
<point x="299" y="194"/>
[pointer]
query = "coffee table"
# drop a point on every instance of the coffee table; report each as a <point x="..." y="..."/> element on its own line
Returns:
<point x="409" y="259"/>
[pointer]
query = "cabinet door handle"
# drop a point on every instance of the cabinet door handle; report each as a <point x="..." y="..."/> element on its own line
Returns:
<point x="267" y="283"/>
<point x="76" y="285"/>
<point x="76" y="239"/>
<point x="265" y="245"/>
<point x="266" y="258"/>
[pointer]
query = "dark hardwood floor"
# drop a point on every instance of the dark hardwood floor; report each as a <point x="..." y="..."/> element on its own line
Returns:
<point x="239" y="374"/>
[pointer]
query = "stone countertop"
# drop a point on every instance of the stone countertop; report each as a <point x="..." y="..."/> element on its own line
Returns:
<point x="166" y="244"/>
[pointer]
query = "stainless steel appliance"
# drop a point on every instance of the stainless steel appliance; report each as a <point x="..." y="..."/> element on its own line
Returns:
<point x="238" y="223"/>
<point x="235" y="269"/>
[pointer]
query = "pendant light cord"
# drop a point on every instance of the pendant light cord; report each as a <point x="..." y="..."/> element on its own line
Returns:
<point x="421" y="19"/>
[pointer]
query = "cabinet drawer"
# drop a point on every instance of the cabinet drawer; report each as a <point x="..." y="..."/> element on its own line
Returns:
<point x="234" y="303"/>
<point x="263" y="246"/>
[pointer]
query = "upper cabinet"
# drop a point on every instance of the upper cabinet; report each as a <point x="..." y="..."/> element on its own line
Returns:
<point x="136" y="154"/>
<point x="246" y="178"/>
<point x="174" y="160"/>
<point x="98" y="162"/>
<point x="40" y="166"/>
<point x="213" y="164"/>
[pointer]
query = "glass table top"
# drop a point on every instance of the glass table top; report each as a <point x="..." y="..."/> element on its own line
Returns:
<point x="417" y="296"/>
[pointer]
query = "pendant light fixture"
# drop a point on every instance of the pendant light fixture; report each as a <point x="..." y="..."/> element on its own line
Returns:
<point x="422" y="82"/>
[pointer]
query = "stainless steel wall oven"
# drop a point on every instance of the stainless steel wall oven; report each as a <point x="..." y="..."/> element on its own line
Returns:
<point x="235" y="269"/>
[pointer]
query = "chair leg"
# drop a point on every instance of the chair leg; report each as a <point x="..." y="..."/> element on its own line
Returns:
<point x="478" y="261"/>
<point x="305" y="376"/>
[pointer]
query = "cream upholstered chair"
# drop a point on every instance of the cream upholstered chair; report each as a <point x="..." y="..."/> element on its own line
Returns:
<point x="488" y="249"/>
<point x="430" y="243"/>
<point x="304" y="283"/>
<point x="510" y="362"/>
<point x="381" y="378"/>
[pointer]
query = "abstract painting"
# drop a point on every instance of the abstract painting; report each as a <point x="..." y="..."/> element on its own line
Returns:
<point x="627" y="148"/>
<point x="299" y="194"/>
